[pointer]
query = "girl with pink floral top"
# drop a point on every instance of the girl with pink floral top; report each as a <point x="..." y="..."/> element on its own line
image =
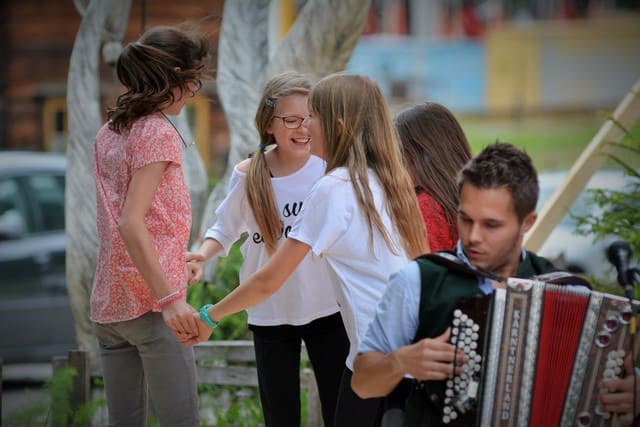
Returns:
<point x="143" y="221"/>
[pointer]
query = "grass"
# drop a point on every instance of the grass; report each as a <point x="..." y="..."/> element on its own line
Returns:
<point x="553" y="142"/>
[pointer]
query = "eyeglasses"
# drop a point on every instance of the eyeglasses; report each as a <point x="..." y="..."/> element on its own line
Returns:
<point x="293" y="122"/>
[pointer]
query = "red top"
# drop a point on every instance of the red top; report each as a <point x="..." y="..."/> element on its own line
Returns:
<point x="438" y="232"/>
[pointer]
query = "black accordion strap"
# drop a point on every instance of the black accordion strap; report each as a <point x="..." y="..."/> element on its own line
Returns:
<point x="453" y="263"/>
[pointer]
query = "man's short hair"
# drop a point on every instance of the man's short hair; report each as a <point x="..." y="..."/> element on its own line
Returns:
<point x="502" y="165"/>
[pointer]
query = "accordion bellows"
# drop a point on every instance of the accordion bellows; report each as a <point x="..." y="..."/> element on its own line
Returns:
<point x="536" y="355"/>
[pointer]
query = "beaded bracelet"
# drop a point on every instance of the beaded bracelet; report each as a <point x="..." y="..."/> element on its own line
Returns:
<point x="169" y="298"/>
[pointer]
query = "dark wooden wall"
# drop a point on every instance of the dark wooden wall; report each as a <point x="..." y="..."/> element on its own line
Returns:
<point x="36" y="40"/>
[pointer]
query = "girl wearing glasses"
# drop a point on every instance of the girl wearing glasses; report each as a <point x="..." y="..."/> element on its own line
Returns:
<point x="266" y="194"/>
<point x="361" y="220"/>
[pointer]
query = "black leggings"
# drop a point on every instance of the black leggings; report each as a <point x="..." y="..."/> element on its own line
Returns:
<point x="278" y="360"/>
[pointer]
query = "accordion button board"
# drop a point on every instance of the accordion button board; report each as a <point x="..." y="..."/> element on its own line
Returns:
<point x="536" y="354"/>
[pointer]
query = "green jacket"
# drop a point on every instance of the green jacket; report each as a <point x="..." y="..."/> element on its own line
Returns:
<point x="442" y="288"/>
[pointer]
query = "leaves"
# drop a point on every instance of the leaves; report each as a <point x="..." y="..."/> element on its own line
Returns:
<point x="225" y="279"/>
<point x="621" y="209"/>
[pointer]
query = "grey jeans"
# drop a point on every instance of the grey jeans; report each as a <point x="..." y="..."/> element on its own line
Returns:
<point x="141" y="358"/>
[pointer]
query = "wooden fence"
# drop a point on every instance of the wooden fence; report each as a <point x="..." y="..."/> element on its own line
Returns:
<point x="217" y="362"/>
<point x="231" y="363"/>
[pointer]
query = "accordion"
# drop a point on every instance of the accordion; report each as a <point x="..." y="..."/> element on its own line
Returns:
<point x="536" y="353"/>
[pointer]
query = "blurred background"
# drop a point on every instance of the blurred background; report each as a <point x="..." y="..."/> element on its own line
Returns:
<point x="505" y="67"/>
<point x="542" y="74"/>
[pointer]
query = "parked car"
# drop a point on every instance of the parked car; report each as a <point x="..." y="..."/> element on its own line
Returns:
<point x="575" y="252"/>
<point x="35" y="314"/>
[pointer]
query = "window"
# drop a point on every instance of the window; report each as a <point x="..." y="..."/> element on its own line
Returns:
<point x="54" y="124"/>
<point x="56" y="133"/>
<point x="15" y="218"/>
<point x="48" y="194"/>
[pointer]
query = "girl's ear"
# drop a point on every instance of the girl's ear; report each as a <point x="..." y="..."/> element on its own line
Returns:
<point x="340" y="126"/>
<point x="269" y="130"/>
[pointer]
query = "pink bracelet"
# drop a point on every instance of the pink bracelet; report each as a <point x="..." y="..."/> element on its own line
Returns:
<point x="169" y="298"/>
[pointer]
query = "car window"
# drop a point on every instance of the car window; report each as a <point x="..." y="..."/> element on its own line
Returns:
<point x="15" y="218"/>
<point x="48" y="194"/>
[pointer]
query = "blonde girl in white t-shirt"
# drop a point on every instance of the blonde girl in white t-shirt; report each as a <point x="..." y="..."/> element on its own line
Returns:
<point x="266" y="194"/>
<point x="361" y="219"/>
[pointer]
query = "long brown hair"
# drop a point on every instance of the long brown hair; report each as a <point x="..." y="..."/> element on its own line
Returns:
<point x="163" y="58"/>
<point x="359" y="135"/>
<point x="259" y="188"/>
<point x="435" y="149"/>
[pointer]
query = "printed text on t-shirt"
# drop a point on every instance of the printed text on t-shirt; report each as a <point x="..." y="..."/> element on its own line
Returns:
<point x="288" y="210"/>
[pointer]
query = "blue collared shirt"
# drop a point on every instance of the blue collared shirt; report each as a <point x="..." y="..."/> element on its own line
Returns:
<point x="397" y="315"/>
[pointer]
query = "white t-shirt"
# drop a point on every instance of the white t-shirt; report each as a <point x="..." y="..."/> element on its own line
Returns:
<point x="333" y="225"/>
<point x="307" y="294"/>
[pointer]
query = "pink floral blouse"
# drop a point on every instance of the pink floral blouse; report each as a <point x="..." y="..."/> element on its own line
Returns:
<point x="119" y="291"/>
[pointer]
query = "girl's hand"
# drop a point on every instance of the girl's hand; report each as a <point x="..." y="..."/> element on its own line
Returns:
<point x="204" y="332"/>
<point x="195" y="267"/>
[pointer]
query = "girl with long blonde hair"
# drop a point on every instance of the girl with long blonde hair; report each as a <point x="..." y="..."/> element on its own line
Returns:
<point x="361" y="220"/>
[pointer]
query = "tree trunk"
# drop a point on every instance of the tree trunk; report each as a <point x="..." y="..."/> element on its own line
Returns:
<point x="319" y="43"/>
<point x="101" y="19"/>
<point x="195" y="173"/>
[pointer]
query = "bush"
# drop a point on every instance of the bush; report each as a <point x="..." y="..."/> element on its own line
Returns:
<point x="622" y="207"/>
<point x="53" y="408"/>
<point x="225" y="279"/>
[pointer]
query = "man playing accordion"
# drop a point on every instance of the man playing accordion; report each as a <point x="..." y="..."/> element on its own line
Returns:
<point x="408" y="341"/>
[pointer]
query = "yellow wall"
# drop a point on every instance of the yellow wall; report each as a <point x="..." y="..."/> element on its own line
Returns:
<point x="512" y="70"/>
<point x="544" y="66"/>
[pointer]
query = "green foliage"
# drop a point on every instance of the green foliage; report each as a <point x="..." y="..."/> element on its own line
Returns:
<point x="622" y="207"/>
<point x="225" y="279"/>
<point x="227" y="406"/>
<point x="54" y="406"/>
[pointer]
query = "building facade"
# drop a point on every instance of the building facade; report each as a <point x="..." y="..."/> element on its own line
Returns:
<point x="36" y="40"/>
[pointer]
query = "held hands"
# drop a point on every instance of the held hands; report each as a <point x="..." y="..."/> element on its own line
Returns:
<point x="617" y="394"/>
<point x="195" y="267"/>
<point x="204" y="332"/>
<point x="185" y="324"/>
<point x="178" y="315"/>
<point x="430" y="358"/>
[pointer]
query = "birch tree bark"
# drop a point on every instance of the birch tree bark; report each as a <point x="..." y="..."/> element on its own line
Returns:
<point x="320" y="42"/>
<point x="195" y="172"/>
<point x="101" y="20"/>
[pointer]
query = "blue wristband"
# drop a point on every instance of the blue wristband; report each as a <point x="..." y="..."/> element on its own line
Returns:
<point x="204" y="316"/>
